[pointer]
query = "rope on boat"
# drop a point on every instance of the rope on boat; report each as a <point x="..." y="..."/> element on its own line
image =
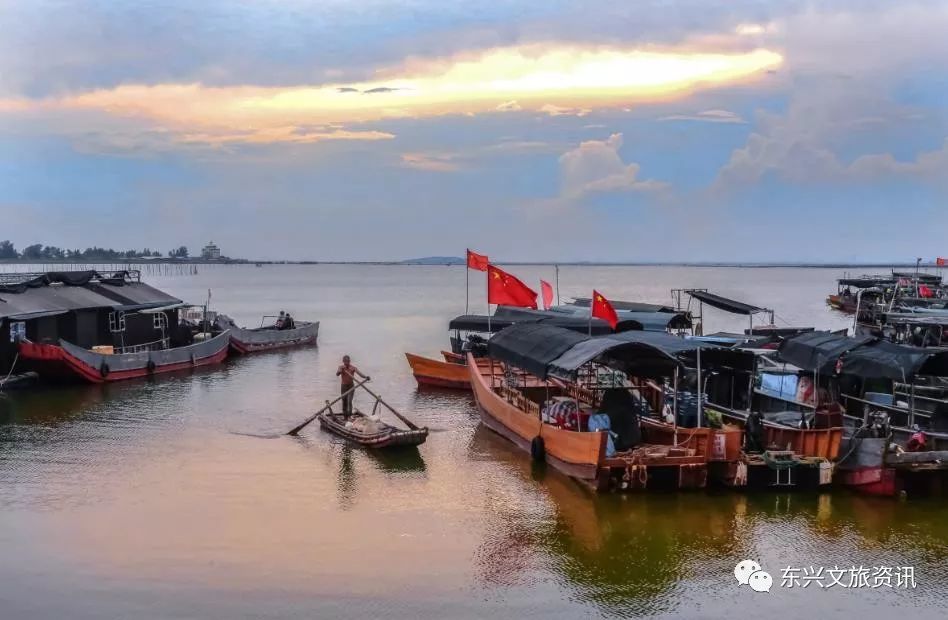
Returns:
<point x="16" y="358"/>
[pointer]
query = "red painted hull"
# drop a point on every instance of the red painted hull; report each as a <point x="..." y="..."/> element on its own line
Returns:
<point x="880" y="481"/>
<point x="59" y="362"/>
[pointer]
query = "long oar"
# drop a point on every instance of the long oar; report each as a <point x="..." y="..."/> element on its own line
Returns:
<point x="407" y="422"/>
<point x="297" y="429"/>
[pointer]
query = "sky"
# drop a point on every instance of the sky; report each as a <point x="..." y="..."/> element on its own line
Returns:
<point x="531" y="130"/>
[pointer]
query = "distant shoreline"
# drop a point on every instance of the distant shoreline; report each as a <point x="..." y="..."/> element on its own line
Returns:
<point x="460" y="263"/>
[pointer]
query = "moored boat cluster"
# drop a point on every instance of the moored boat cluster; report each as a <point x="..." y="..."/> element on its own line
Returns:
<point x="102" y="327"/>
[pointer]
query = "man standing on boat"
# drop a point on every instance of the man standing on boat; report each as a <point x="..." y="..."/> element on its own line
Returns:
<point x="347" y="372"/>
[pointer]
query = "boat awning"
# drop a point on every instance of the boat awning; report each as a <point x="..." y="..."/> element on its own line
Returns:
<point x="818" y="351"/>
<point x="862" y="356"/>
<point x="532" y="346"/>
<point x="545" y="350"/>
<point x="632" y="306"/>
<point x="630" y="319"/>
<point x="35" y="315"/>
<point x="896" y="318"/>
<point x="723" y="303"/>
<point x="866" y="282"/>
<point x="480" y="323"/>
<point x="921" y="276"/>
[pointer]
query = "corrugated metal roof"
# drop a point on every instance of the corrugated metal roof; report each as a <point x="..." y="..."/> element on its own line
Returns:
<point x="137" y="294"/>
<point x="57" y="298"/>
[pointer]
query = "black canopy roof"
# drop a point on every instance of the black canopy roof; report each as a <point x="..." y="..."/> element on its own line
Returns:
<point x="632" y="306"/>
<point x="37" y="295"/>
<point x="532" y="346"/>
<point x="635" y="319"/>
<point x="862" y="356"/>
<point x="545" y="350"/>
<point x="570" y="319"/>
<point x="867" y="281"/>
<point x="921" y="276"/>
<point x="494" y="324"/>
<point x="723" y="303"/>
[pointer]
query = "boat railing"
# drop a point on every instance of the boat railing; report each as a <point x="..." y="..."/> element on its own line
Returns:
<point x="653" y="393"/>
<point x="582" y="394"/>
<point x="518" y="400"/>
<point x="157" y="345"/>
<point x="909" y="413"/>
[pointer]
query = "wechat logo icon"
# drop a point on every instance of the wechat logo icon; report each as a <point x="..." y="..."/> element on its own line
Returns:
<point x="749" y="573"/>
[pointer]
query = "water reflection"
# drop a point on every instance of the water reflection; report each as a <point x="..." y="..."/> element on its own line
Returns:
<point x="634" y="554"/>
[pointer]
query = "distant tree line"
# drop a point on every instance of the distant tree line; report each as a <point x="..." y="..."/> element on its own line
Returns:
<point x="40" y="252"/>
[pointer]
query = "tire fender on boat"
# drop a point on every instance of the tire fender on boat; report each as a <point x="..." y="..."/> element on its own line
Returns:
<point x="104" y="369"/>
<point x="538" y="449"/>
<point x="150" y="365"/>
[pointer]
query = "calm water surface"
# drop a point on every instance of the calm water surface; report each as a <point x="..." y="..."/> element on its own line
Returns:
<point x="179" y="498"/>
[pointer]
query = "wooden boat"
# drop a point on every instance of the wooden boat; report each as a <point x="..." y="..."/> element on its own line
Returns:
<point x="268" y="338"/>
<point x="370" y="432"/>
<point x="454" y="375"/>
<point x="515" y="414"/>
<point x="436" y="373"/>
<point x="795" y="458"/>
<point x="96" y="367"/>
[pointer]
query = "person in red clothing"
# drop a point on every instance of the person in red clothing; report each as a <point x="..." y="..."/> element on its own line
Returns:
<point x="347" y="373"/>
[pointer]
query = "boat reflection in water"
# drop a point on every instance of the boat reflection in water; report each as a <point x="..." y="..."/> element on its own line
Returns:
<point x="658" y="553"/>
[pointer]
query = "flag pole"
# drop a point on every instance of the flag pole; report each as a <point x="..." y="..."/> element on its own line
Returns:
<point x="467" y="280"/>
<point x="557" y="267"/>
<point x="591" y="304"/>
<point x="488" y="302"/>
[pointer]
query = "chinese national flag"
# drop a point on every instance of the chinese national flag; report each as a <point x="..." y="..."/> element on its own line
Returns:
<point x="602" y="309"/>
<point x="941" y="262"/>
<point x="476" y="261"/>
<point x="547" y="292"/>
<point x="505" y="290"/>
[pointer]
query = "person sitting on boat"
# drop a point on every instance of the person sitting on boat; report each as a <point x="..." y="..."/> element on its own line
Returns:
<point x="281" y="320"/>
<point x="917" y="442"/>
<point x="288" y="322"/>
<point x="347" y="373"/>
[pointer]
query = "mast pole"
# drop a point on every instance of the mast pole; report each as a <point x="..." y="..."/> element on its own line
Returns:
<point x="467" y="282"/>
<point x="700" y="387"/>
<point x="592" y="302"/>
<point x="675" y="404"/>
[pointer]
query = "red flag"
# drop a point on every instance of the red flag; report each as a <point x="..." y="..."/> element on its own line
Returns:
<point x="924" y="291"/>
<point x="475" y="261"/>
<point x="602" y="309"/>
<point x="506" y="290"/>
<point x="547" y="291"/>
<point x="941" y="262"/>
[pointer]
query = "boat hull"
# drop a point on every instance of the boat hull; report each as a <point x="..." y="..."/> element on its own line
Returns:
<point x="439" y="374"/>
<point x="389" y="437"/>
<point x="67" y="359"/>
<point x="246" y="341"/>
<point x="576" y="454"/>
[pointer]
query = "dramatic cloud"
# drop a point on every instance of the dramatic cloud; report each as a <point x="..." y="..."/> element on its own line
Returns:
<point x="334" y="113"/>
<point x="509" y="106"/>
<point x="707" y="116"/>
<point x="804" y="145"/>
<point x="432" y="163"/>
<point x="551" y="79"/>
<point x="595" y="166"/>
